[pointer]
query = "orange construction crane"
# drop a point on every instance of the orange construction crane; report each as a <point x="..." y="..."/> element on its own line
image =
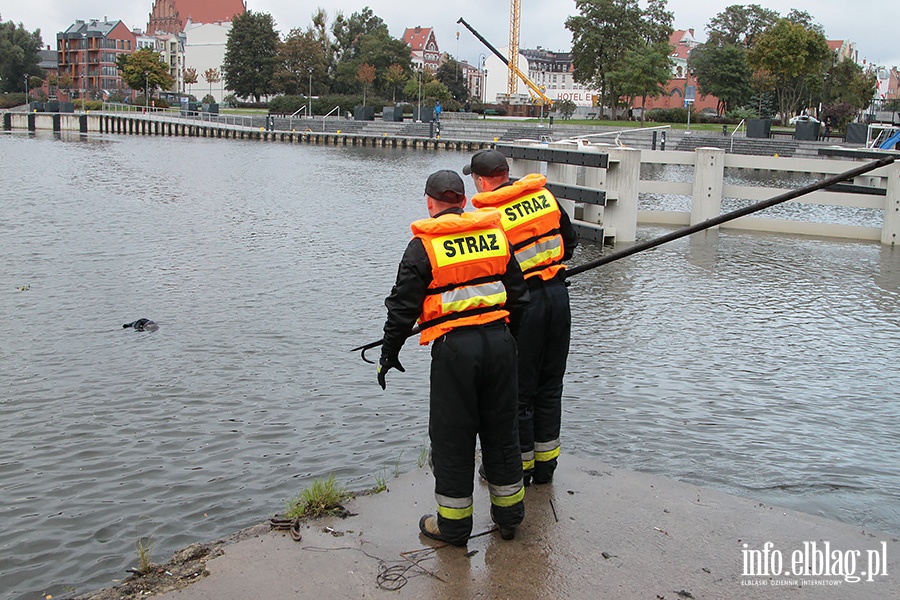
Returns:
<point x="514" y="70"/>
<point x="515" y="14"/>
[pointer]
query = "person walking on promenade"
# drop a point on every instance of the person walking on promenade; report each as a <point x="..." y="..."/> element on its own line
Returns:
<point x="460" y="279"/>
<point x="542" y="237"/>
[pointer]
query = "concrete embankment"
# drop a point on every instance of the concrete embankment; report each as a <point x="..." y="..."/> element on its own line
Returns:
<point x="596" y="532"/>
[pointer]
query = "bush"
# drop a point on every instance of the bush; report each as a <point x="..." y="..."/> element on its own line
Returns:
<point x="207" y="99"/>
<point x="669" y="115"/>
<point x="286" y="105"/>
<point x="11" y="100"/>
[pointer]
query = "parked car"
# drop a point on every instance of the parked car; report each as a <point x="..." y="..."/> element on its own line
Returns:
<point x="803" y="119"/>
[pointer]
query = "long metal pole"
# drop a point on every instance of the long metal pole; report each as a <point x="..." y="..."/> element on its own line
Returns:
<point x="741" y="212"/>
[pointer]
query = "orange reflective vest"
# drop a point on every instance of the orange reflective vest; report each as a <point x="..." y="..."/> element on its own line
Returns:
<point x="531" y="218"/>
<point x="468" y="255"/>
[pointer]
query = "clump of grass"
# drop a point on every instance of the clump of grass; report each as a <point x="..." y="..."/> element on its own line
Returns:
<point x="380" y="482"/>
<point x="144" y="550"/>
<point x="423" y="456"/>
<point x="322" y="498"/>
<point x="397" y="465"/>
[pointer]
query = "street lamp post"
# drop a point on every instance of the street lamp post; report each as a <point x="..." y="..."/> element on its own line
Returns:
<point x="26" y="90"/>
<point x="481" y="59"/>
<point x="83" y="86"/>
<point x="419" y="111"/>
<point x="309" y="97"/>
<point x="146" y="91"/>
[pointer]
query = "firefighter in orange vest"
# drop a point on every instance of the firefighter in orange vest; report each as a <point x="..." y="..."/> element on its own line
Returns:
<point x="542" y="237"/>
<point x="459" y="278"/>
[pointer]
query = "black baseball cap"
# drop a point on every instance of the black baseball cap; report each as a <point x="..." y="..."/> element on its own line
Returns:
<point x="446" y="186"/>
<point x="487" y="163"/>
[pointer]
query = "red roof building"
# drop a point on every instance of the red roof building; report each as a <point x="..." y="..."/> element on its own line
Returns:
<point x="87" y="52"/>
<point x="171" y="16"/>
<point x="425" y="52"/>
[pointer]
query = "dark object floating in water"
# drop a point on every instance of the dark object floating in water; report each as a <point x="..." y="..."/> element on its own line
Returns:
<point x="142" y="325"/>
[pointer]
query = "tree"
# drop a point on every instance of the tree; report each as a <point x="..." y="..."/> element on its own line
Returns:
<point x="740" y="25"/>
<point x="395" y="76"/>
<point x="450" y="74"/>
<point x="144" y="70"/>
<point x="347" y="31"/>
<point x="565" y="108"/>
<point x="190" y="77"/>
<point x="848" y="90"/>
<point x="722" y="71"/>
<point x="794" y="56"/>
<point x="65" y="82"/>
<point x="365" y="73"/>
<point x="602" y="34"/>
<point x="643" y="71"/>
<point x="300" y="52"/>
<point x="18" y="55"/>
<point x="251" y="55"/>
<point x="212" y="75"/>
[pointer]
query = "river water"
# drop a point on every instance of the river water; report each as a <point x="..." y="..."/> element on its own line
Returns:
<point x="760" y="365"/>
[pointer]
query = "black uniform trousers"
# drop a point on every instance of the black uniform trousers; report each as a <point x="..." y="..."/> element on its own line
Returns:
<point x="543" y="350"/>
<point x="474" y="392"/>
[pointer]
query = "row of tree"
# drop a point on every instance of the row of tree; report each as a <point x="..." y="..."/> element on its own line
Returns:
<point x="622" y="50"/>
<point x="349" y="55"/>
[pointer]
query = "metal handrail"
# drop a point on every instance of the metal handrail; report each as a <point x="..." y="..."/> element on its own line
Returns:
<point x="736" y="129"/>
<point x="336" y="108"/>
<point x="616" y="133"/>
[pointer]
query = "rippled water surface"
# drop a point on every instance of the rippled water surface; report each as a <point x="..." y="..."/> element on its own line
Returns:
<point x="759" y="365"/>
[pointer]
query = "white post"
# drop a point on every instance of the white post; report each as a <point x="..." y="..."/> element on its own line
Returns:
<point x="709" y="172"/>
<point x="622" y="179"/>
<point x="519" y="167"/>
<point x="890" y="229"/>
<point x="595" y="178"/>
<point x="564" y="174"/>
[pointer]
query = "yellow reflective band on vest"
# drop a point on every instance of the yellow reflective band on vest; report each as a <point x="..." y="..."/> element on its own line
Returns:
<point x="473" y="296"/>
<point x="475" y="245"/>
<point x="506" y="501"/>
<point x="454" y="508"/>
<point x="528" y="208"/>
<point x="549" y="250"/>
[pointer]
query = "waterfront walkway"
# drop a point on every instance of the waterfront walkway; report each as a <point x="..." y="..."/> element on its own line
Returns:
<point x="596" y="532"/>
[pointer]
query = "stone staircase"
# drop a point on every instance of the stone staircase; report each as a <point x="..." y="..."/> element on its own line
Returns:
<point x="739" y="145"/>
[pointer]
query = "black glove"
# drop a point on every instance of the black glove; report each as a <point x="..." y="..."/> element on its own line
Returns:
<point x="385" y="364"/>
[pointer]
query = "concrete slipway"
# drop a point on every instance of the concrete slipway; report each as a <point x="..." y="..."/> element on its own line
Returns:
<point x="595" y="532"/>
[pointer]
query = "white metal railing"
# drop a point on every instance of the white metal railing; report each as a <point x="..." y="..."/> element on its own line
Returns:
<point x="742" y="124"/>
<point x="618" y="133"/>
<point x="335" y="109"/>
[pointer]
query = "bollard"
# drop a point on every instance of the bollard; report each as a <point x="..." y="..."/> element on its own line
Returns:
<point x="653" y="142"/>
<point x="662" y="140"/>
<point x="725" y="130"/>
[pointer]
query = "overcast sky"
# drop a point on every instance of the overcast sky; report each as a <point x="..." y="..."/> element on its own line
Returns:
<point x="872" y="24"/>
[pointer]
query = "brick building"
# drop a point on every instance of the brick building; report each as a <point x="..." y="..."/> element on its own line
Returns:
<point x="172" y="16"/>
<point x="87" y="52"/>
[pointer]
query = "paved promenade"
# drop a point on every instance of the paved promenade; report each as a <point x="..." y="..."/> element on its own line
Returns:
<point x="596" y="532"/>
